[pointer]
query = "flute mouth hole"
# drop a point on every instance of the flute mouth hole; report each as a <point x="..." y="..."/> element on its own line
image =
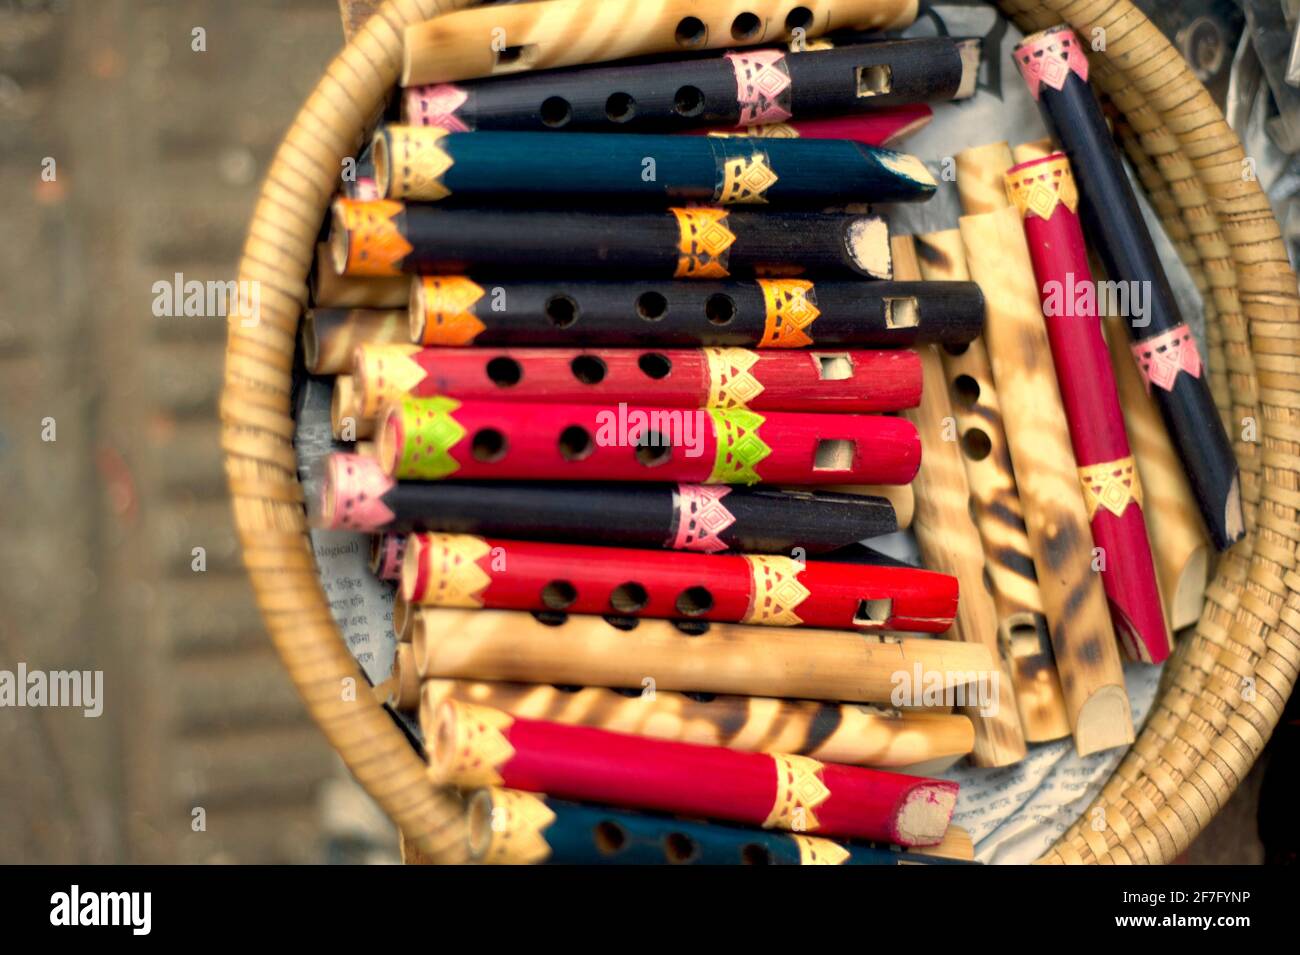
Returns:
<point x="834" y="367"/>
<point x="873" y="613"/>
<point x="655" y="365"/>
<point x="561" y="310"/>
<point x="588" y="369"/>
<point x="688" y="101"/>
<point x="489" y="445"/>
<point x="653" y="449"/>
<point x="834" y="454"/>
<point x="609" y="838"/>
<point x="902" y="313"/>
<point x="875" y="80"/>
<point x="965" y="391"/>
<point x="746" y="26"/>
<point x="680" y="849"/>
<point x="720" y="309"/>
<point x="504" y="372"/>
<point x="691" y="32"/>
<point x="575" y="443"/>
<point x="620" y="107"/>
<point x="753" y="854"/>
<point x="651" y="306"/>
<point x="559" y="594"/>
<point x="976" y="444"/>
<point x="694" y="601"/>
<point x="556" y="112"/>
<point x="630" y="597"/>
<point x="514" y="58"/>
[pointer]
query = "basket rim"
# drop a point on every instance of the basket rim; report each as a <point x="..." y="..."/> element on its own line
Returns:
<point x="1205" y="731"/>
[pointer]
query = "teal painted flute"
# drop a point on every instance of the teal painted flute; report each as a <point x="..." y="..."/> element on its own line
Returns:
<point x="507" y="827"/>
<point x="429" y="164"/>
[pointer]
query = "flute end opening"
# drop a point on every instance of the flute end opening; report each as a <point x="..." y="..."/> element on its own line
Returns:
<point x="969" y="51"/>
<point x="1234" y="518"/>
<point x="1104" y="721"/>
<point x="926" y="811"/>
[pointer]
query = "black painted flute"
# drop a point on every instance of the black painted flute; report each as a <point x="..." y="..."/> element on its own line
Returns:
<point x="751" y="87"/>
<point x="454" y="310"/>
<point x="1056" y="70"/>
<point x="384" y="237"/>
<point x="428" y="164"/>
<point x="357" y="495"/>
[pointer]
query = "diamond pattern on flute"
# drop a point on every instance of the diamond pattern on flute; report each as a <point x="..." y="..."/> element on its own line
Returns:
<point x="420" y="163"/>
<point x="1040" y="188"/>
<point x="523" y="818"/>
<point x="740" y="449"/>
<point x="701" y="518"/>
<point x="1161" y="357"/>
<point x="480" y="746"/>
<point x="1112" y="485"/>
<point x="1050" y="57"/>
<point x="775" y="591"/>
<point x="455" y="577"/>
<point x="375" y="246"/>
<point x="436" y="106"/>
<point x="798" y="787"/>
<point x="762" y="82"/>
<point x="746" y="180"/>
<point x="447" y="304"/>
<point x="704" y="242"/>
<point x="814" y="850"/>
<point x="791" y="310"/>
<point x="730" y="383"/>
<point x="427" y="453"/>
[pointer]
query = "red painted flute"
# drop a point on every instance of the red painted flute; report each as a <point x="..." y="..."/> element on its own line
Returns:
<point x="478" y="746"/>
<point x="852" y="381"/>
<point x="461" y="570"/>
<point x="1045" y="193"/>
<point x="435" y="438"/>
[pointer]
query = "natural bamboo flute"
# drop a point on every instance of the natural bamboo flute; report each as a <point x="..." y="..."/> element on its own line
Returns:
<point x="832" y="732"/>
<point x="695" y="657"/>
<point x="701" y="242"/>
<point x="746" y="88"/>
<point x="511" y="827"/>
<point x="1043" y="191"/>
<point x="477" y="746"/>
<point x="425" y="163"/>
<point x="949" y="542"/>
<point x="329" y="289"/>
<point x="1008" y="558"/>
<point x="468" y="44"/>
<point x="357" y="495"/>
<point x="1055" y="68"/>
<point x="436" y="438"/>
<point x="454" y="310"/>
<point x="461" y="570"/>
<point x="401" y="690"/>
<point x="1178" y="542"/>
<point x="1056" y="517"/>
<point x="773" y="380"/>
<point x="346" y="421"/>
<point x="330" y="336"/>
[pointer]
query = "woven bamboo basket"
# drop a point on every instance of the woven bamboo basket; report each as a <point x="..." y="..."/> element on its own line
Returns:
<point x="1224" y="690"/>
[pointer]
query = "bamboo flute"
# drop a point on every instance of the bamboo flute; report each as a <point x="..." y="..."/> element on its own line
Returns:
<point x="403" y="617"/>
<point x="479" y="746"/>
<point x="330" y="336"/>
<point x="773" y="380"/>
<point x="746" y="88"/>
<point x="357" y="495"/>
<point x="435" y="438"/>
<point x="329" y="289"/>
<point x="1056" y="70"/>
<point x="401" y="690"/>
<point x="461" y="570"/>
<point x="386" y="549"/>
<point x="1044" y="193"/>
<point x="1177" y="534"/>
<point x="831" y="732"/>
<point x="385" y="238"/>
<point x="696" y="657"/>
<point x="453" y="310"/>
<point x="346" y="420"/>
<point x="511" y="827"/>
<point x="949" y="542"/>
<point x="995" y="499"/>
<point x="1056" y="517"/>
<point x="428" y="164"/>
<point x="469" y="44"/>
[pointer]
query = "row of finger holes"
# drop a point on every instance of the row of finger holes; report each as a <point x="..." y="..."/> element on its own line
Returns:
<point x="628" y="598"/>
<point x="975" y="442"/>
<point x="691" y="628"/>
<point x="691" y="31"/>
<point x="506" y="372"/>
<point x="489" y="446"/>
<point x="719" y="309"/>
<point x="679" y="849"/>
<point x="620" y="107"/>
